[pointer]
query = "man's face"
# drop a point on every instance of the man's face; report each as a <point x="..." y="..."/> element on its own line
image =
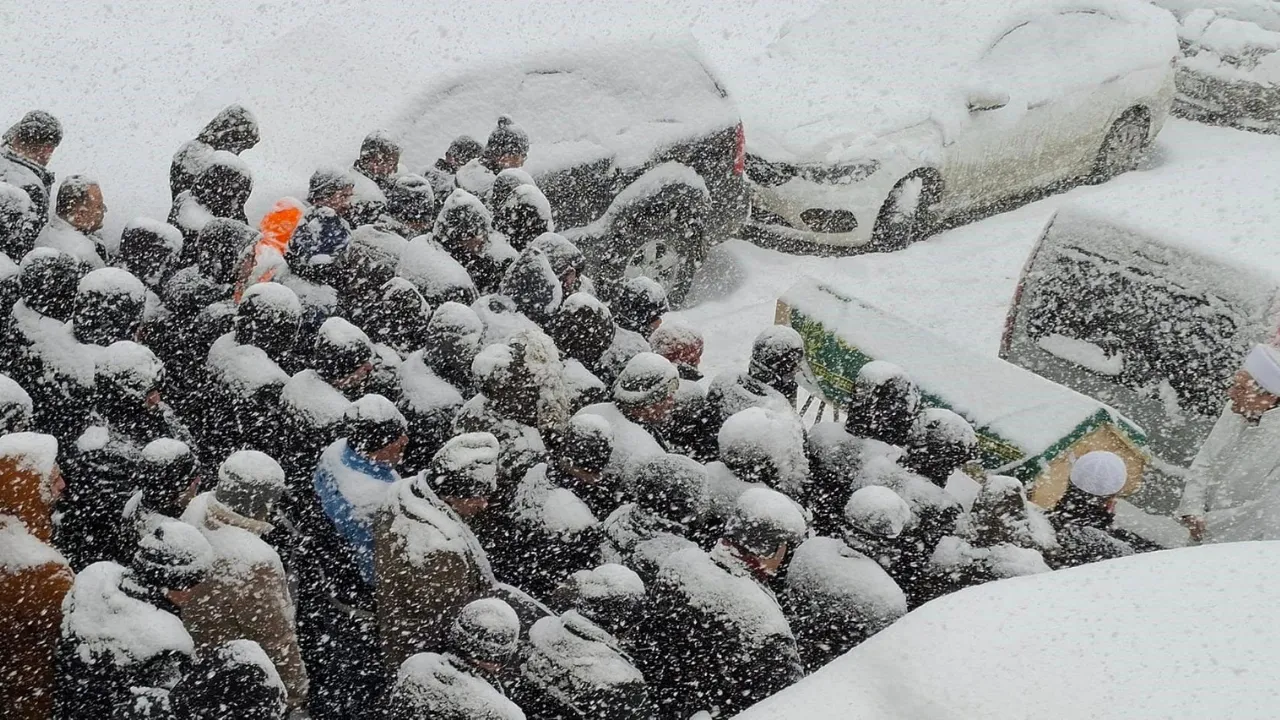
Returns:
<point x="772" y="563"/>
<point x="57" y="484"/>
<point x="41" y="154"/>
<point x="180" y="597"/>
<point x="468" y="507"/>
<point x="393" y="453"/>
<point x="87" y="216"/>
<point x="586" y="477"/>
<point x="657" y="413"/>
<point x="382" y="165"/>
<point x="356" y="378"/>
<point x="505" y="162"/>
<point x="340" y="201"/>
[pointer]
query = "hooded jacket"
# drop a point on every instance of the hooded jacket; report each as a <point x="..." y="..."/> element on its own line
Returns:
<point x="1234" y="481"/>
<point x="34" y="577"/>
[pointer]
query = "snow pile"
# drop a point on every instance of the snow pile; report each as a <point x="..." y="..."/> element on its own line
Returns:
<point x="828" y="573"/>
<point x="31" y="451"/>
<point x="109" y="623"/>
<point x="764" y="437"/>
<point x="576" y="656"/>
<point x="433" y="684"/>
<point x="996" y="650"/>
<point x="243" y="367"/>
<point x="538" y="502"/>
<point x="317" y="402"/>
<point x="434" y="272"/>
<point x="608" y="581"/>
<point x="714" y="591"/>
<point x="280" y="299"/>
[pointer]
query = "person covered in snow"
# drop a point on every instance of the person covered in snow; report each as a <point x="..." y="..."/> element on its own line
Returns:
<point x="16" y="220"/>
<point x="39" y="350"/>
<point x="1006" y="538"/>
<point x="235" y="679"/>
<point x="168" y="476"/>
<point x="234" y="129"/>
<point x="884" y="404"/>
<point x="732" y="392"/>
<point x="121" y="628"/>
<point x="436" y="380"/>
<point x="583" y="329"/>
<point x="461" y="151"/>
<point x="835" y="595"/>
<point x="507" y="146"/>
<point x="373" y="172"/>
<point x="1084" y="517"/>
<point x="610" y="595"/>
<point x="464" y="228"/>
<point x="1231" y="489"/>
<point x="411" y="207"/>
<point x="399" y="317"/>
<point x="776" y="355"/>
<point x="671" y="499"/>
<point x="638" y="306"/>
<point x="323" y="232"/>
<point x="533" y="286"/>
<point x="579" y="457"/>
<point x="524" y="214"/>
<point x="835" y="463"/>
<point x="567" y="261"/>
<point x="220" y="191"/>
<point x="245" y="595"/>
<point x="15" y="407"/>
<point x="77" y="222"/>
<point x="765" y="447"/>
<point x="713" y="634"/>
<point x="34" y="577"/>
<point x="361" y="270"/>
<point x="102" y="472"/>
<point x="455" y="683"/>
<point x="25" y="150"/>
<point x="109" y="307"/>
<point x="150" y="250"/>
<point x="643" y="398"/>
<point x="10" y="291"/>
<point x="427" y="562"/>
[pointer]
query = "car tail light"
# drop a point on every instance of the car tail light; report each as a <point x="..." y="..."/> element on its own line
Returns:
<point x="740" y="151"/>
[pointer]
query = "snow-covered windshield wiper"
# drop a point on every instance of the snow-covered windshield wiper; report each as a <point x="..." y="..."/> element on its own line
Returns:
<point x="770" y="174"/>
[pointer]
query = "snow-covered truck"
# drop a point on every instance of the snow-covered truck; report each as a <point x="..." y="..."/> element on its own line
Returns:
<point x="1027" y="426"/>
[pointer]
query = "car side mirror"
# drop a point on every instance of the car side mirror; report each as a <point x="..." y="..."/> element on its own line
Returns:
<point x="987" y="99"/>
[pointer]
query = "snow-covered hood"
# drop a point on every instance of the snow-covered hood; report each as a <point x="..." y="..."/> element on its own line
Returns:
<point x="833" y="85"/>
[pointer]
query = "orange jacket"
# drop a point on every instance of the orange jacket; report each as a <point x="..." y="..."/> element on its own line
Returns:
<point x="33" y="577"/>
<point x="277" y="228"/>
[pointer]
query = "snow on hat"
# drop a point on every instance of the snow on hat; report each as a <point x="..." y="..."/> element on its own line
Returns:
<point x="249" y="484"/>
<point x="639" y="301"/>
<point x="676" y="342"/>
<point x="236" y="677"/>
<point x="765" y="445"/>
<point x="465" y="467"/>
<point x="506" y="139"/>
<point x="168" y="467"/>
<point x="129" y="368"/>
<point x="326" y="181"/>
<point x="878" y="511"/>
<point x="485" y="630"/>
<point x="412" y="199"/>
<point x="15" y="406"/>
<point x="1263" y="365"/>
<point x="763" y="519"/>
<point x="1099" y="473"/>
<point x="464" y="149"/>
<point x="647" y="379"/>
<point x="777" y="348"/>
<point x="562" y="253"/>
<point x="37" y="127"/>
<point x="173" y="556"/>
<point x="34" y="451"/>
<point x="672" y="486"/>
<point x="609" y="595"/>
<point x="378" y="142"/>
<point x="587" y="443"/>
<point x="372" y="423"/>
<point x="340" y="349"/>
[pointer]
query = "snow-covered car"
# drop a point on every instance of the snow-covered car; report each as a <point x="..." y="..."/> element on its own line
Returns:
<point x="1229" y="73"/>
<point x="868" y="123"/>
<point x="1148" y="301"/>
<point x="646" y="125"/>
<point x="1189" y="633"/>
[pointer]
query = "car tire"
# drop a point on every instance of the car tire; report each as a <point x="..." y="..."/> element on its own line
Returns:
<point x="908" y="213"/>
<point x="1124" y="146"/>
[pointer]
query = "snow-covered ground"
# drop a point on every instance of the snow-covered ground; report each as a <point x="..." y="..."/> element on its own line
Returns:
<point x="1175" y="634"/>
<point x="959" y="283"/>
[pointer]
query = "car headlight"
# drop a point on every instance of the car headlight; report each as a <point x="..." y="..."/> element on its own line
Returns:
<point x="829" y="221"/>
<point x="772" y="174"/>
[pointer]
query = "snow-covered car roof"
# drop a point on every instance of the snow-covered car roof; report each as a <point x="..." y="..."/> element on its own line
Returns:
<point x="617" y="101"/>
<point x="1182" y="633"/>
<point x="850" y="72"/>
<point x="1263" y="13"/>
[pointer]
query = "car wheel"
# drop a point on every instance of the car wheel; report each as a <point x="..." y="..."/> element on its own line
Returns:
<point x="672" y="264"/>
<point x="1123" y="147"/>
<point x="908" y="214"/>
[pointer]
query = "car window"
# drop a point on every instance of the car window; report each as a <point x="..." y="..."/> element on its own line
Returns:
<point x="1157" y="331"/>
<point x="1028" y="59"/>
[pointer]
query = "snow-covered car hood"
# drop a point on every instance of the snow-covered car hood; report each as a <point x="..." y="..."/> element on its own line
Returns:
<point x="831" y="86"/>
<point x="1263" y="13"/>
<point x="1180" y="633"/>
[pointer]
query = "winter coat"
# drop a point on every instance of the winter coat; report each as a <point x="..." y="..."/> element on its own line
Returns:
<point x="1085" y="532"/>
<point x="731" y="393"/>
<point x="311" y="412"/>
<point x="316" y="242"/>
<point x="957" y="563"/>
<point x="641" y="540"/>
<point x="691" y="429"/>
<point x="443" y="687"/>
<point x="246" y="594"/>
<point x="233" y="129"/>
<point x="574" y="670"/>
<point x="521" y="444"/>
<point x="632" y="441"/>
<point x="115" y="636"/>
<point x="560" y="535"/>
<point x="34" y="578"/>
<point x="835" y="598"/>
<point x="101" y="471"/>
<point x="239" y="407"/>
<point x="352" y="489"/>
<point x="41" y="354"/>
<point x="33" y="179"/>
<point x="712" y="636"/>
<point x="429" y="403"/>
<point x="428" y="565"/>
<point x="1234" y="480"/>
<point x="85" y="247"/>
<point x="625" y="345"/>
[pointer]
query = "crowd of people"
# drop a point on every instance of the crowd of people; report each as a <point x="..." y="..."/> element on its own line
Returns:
<point x="391" y="453"/>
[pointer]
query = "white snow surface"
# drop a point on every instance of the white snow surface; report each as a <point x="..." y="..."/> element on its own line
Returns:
<point x="430" y="267"/>
<point x="424" y="526"/>
<point x="365" y="495"/>
<point x="735" y="598"/>
<point x="879" y="510"/>
<point x="112" y="624"/>
<point x="35" y="451"/>
<point x="276" y="296"/>
<point x="54" y="342"/>
<point x="133" y="366"/>
<point x="59" y="235"/>
<point x="825" y="570"/>
<point x="539" y="502"/>
<point x="1168" y="634"/>
<point x="573" y="643"/>
<point x="20" y="550"/>
<point x="607" y="581"/>
<point x="244" y="367"/>
<point x="237" y="553"/>
<point x="433" y="682"/>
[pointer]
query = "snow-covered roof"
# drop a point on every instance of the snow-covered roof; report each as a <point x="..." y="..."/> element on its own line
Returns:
<point x="995" y="396"/>
<point x="855" y="70"/>
<point x="1167" y="634"/>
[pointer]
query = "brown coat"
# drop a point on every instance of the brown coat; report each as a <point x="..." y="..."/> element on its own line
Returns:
<point x="428" y="565"/>
<point x="246" y="596"/>
<point x="33" y="580"/>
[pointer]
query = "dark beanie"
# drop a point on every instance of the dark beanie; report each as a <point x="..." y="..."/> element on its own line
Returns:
<point x="464" y="149"/>
<point x="340" y="349"/>
<point x="326" y="181"/>
<point x="372" y="423"/>
<point x="168" y="467"/>
<point x="506" y="139"/>
<point x="377" y="143"/>
<point x="485" y="631"/>
<point x="35" y="128"/>
<point x="235" y="679"/>
<point x="172" y="555"/>
<point x="249" y="484"/>
<point x="587" y="443"/>
<point x="466" y="467"/>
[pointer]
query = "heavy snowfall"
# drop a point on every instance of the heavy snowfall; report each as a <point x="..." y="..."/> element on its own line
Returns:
<point x="659" y="360"/>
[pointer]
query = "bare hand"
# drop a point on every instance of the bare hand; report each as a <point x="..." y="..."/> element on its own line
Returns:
<point x="1196" y="525"/>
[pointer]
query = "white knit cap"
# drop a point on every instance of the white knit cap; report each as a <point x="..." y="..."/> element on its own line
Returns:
<point x="1263" y="364"/>
<point x="1099" y="473"/>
